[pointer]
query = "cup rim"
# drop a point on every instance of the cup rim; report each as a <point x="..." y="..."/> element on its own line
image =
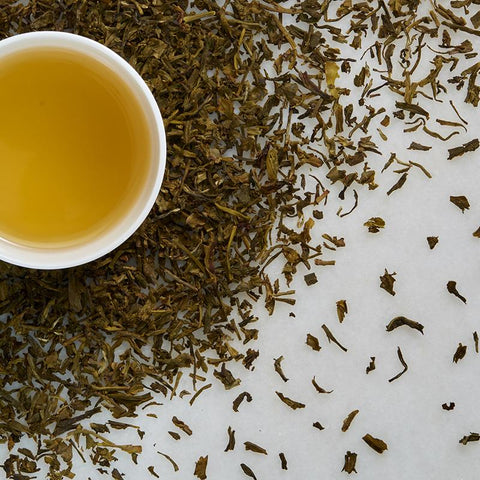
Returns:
<point x="50" y="258"/>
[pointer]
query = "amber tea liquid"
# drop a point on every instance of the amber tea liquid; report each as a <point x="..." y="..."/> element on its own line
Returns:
<point x="75" y="149"/>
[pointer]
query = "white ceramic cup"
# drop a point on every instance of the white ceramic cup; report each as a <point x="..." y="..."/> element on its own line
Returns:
<point x="91" y="249"/>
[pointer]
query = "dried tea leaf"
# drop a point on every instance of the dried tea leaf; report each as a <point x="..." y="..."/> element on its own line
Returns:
<point x="419" y="146"/>
<point x="311" y="279"/>
<point x="452" y="288"/>
<point x="461" y="202"/>
<point x="374" y="224"/>
<point x="449" y="406"/>
<point x="460" y="352"/>
<point x="475" y="341"/>
<point x="466" y="147"/>
<point x="400" y="321"/>
<point x="432" y="242"/>
<point x="243" y="396"/>
<point x="318" y="388"/>
<point x="182" y="425"/>
<point x="226" y="377"/>
<point x="291" y="403"/>
<point x="349" y="419"/>
<point x="342" y="310"/>
<point x="174" y="435"/>
<point x="476" y="233"/>
<point x="152" y="471"/>
<point x="283" y="461"/>
<point x="201" y="468"/>
<point x="350" y="462"/>
<point x="231" y="440"/>
<point x="319" y="426"/>
<point x="404" y="364"/>
<point x="331" y="338"/>
<point x="254" y="448"/>
<point x="386" y="282"/>
<point x="401" y="181"/>
<point x="473" y="437"/>
<point x="371" y="365"/>
<point x="174" y="465"/>
<point x="278" y="368"/>
<point x="248" y="471"/>
<point x="376" y="443"/>
<point x="313" y="342"/>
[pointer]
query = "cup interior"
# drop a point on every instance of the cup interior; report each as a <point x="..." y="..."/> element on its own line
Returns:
<point x="55" y="257"/>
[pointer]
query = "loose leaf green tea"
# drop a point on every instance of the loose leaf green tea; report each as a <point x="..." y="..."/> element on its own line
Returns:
<point x="466" y="147"/>
<point x="331" y="338"/>
<point x="288" y="401"/>
<point x="460" y="353"/>
<point x="448" y="406"/>
<point x="376" y="443"/>
<point x="342" y="310"/>
<point x="313" y="342"/>
<point x="472" y="437"/>
<point x="404" y="365"/>
<point x="248" y="471"/>
<point x="432" y="242"/>
<point x="254" y="448"/>
<point x="318" y="388"/>
<point x="349" y="419"/>
<point x="243" y="396"/>
<point x="277" y="364"/>
<point x="371" y="365"/>
<point x="386" y="282"/>
<point x="318" y="425"/>
<point x="374" y="224"/>
<point x="201" y="468"/>
<point x="283" y="461"/>
<point x="461" y="202"/>
<point x="452" y="288"/>
<point x="400" y="321"/>
<point x="231" y="440"/>
<point x="350" y="462"/>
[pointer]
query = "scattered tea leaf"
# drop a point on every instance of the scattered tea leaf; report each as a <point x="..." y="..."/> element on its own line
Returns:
<point x="470" y="146"/>
<point x="318" y="388"/>
<point x="472" y="437"/>
<point x="174" y="465"/>
<point x="400" y="321"/>
<point x="376" y="443"/>
<point x="404" y="364"/>
<point x="318" y="425"/>
<point x="248" y="471"/>
<point x="182" y="425"/>
<point x="374" y="224"/>
<point x="331" y="338"/>
<point x="252" y="447"/>
<point x="313" y="342"/>
<point x="419" y="146"/>
<point x="231" y="440"/>
<point x="449" y="406"/>
<point x="349" y="419"/>
<point x="311" y="279"/>
<point x="243" y="396"/>
<point x="432" y="242"/>
<point x="475" y="341"/>
<point x="152" y="471"/>
<point x="201" y="468"/>
<point x="461" y="202"/>
<point x="291" y="403"/>
<point x="283" y="461"/>
<point x="371" y="365"/>
<point x="350" y="462"/>
<point x="452" y="288"/>
<point x="386" y="282"/>
<point x="342" y="310"/>
<point x="278" y="368"/>
<point x="460" y="353"/>
<point x="226" y="377"/>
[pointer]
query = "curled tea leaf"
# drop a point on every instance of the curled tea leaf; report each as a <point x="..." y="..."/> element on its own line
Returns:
<point x="342" y="310"/>
<point x="278" y="367"/>
<point x="371" y="365"/>
<point x="288" y="401"/>
<point x="255" y="448"/>
<point x="349" y="419"/>
<point x="374" y="224"/>
<point x="231" y="440"/>
<point x="243" y="396"/>
<point x="331" y="338"/>
<point x="472" y="437"/>
<point x="460" y="353"/>
<point x="313" y="342"/>
<point x="404" y="364"/>
<point x="386" y="282"/>
<point x="449" y="406"/>
<point x="201" y="468"/>
<point x="283" y="461"/>
<point x="461" y="150"/>
<point x="400" y="321"/>
<point x="318" y="388"/>
<point x="452" y="288"/>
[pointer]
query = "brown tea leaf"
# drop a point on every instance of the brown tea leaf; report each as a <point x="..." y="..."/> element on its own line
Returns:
<point x="459" y="353"/>
<point x="243" y="396"/>
<point x="449" y="406"/>
<point x="313" y="342"/>
<point x="470" y="146"/>
<point x="248" y="471"/>
<point x="452" y="288"/>
<point x="432" y="242"/>
<point x="331" y="338"/>
<point x="318" y="388"/>
<point x="371" y="365"/>
<point x="472" y="437"/>
<point x="376" y="443"/>
<point x="461" y="202"/>
<point x="283" y="461"/>
<point x="350" y="462"/>
<point x="349" y="419"/>
<point x="254" y="448"/>
<point x="231" y="440"/>
<point x="201" y="468"/>
<point x="278" y="368"/>
<point x="342" y="310"/>
<point x="404" y="364"/>
<point x="400" y="321"/>
<point x="374" y="224"/>
<point x="291" y="403"/>
<point x="386" y="282"/>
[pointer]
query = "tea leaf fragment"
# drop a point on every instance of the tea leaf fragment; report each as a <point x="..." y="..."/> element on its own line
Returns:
<point x="387" y="281"/>
<point x="452" y="288"/>
<point x="375" y="443"/>
<point x="201" y="468"/>
<point x="289" y="402"/>
<point x="461" y="202"/>
<point x="350" y="462"/>
<point x="460" y="353"/>
<point x="349" y="419"/>
<point x="401" y="321"/>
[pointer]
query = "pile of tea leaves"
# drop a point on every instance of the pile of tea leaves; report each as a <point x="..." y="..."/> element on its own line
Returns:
<point x="256" y="98"/>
